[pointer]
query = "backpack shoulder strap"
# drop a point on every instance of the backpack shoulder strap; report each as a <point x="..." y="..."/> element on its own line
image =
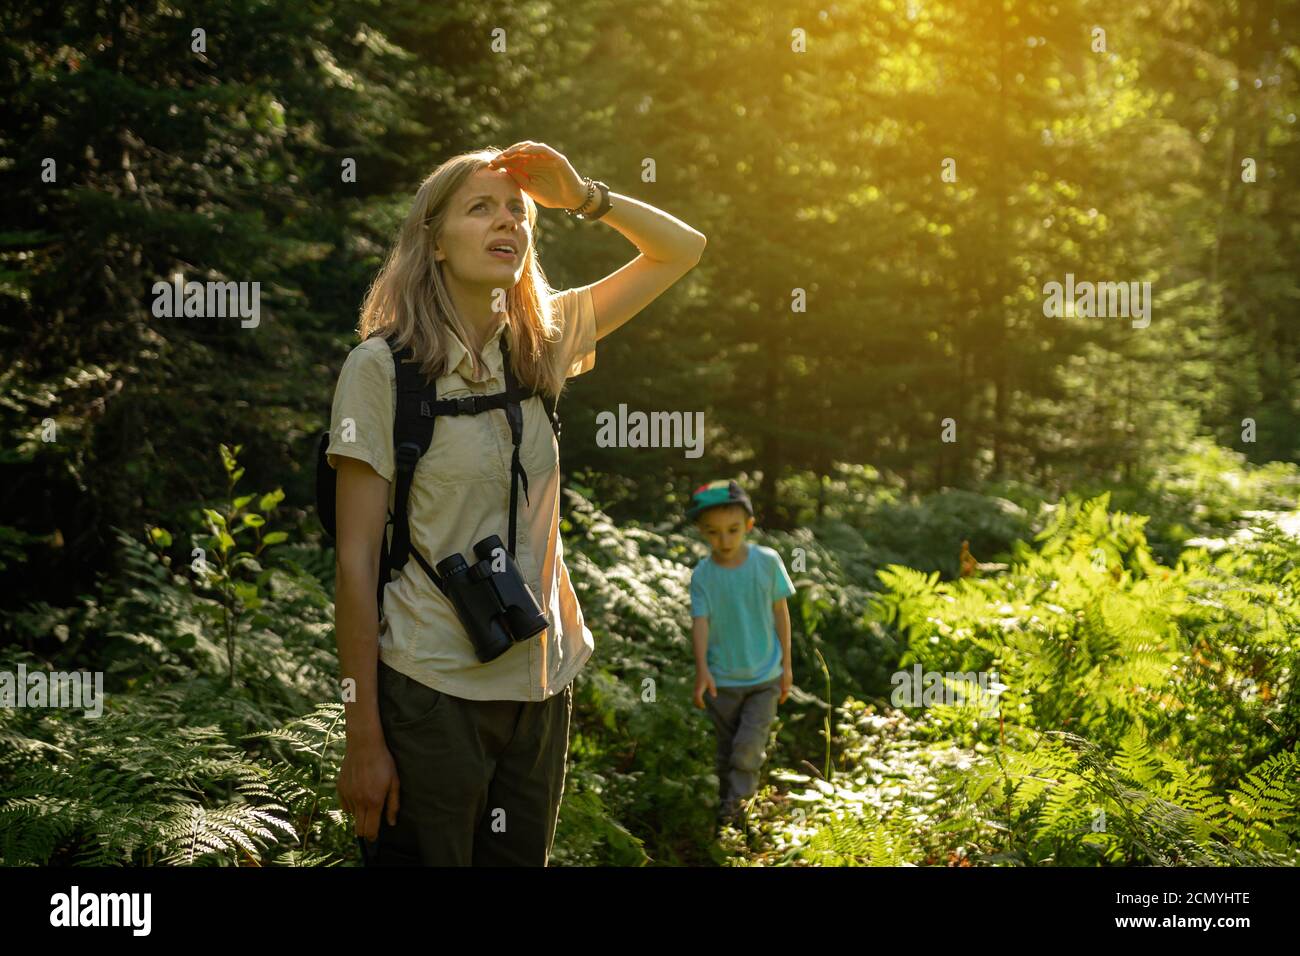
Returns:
<point x="412" y="435"/>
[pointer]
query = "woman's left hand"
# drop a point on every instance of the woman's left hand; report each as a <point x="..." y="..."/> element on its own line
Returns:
<point x="542" y="173"/>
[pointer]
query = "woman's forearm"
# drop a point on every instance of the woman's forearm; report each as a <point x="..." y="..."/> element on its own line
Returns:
<point x="357" y="634"/>
<point x="657" y="234"/>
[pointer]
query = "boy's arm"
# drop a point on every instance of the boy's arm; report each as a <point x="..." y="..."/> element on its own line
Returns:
<point x="782" y="588"/>
<point x="700" y="640"/>
<point x="781" y="613"/>
<point x="703" y="679"/>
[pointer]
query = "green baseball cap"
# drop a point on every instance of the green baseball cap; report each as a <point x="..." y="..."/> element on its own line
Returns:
<point x="715" y="493"/>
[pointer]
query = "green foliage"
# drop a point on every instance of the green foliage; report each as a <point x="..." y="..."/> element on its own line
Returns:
<point x="927" y="533"/>
<point x="134" y="786"/>
<point x="235" y="576"/>
<point x="858" y="841"/>
<point x="1147" y="716"/>
<point x="1068" y="802"/>
<point x="182" y="767"/>
<point x="1204" y="492"/>
<point x="225" y="165"/>
<point x="13" y="545"/>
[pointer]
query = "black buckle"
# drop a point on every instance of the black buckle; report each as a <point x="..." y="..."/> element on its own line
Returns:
<point x="465" y="405"/>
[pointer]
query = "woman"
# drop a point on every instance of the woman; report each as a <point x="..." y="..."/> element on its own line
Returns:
<point x="451" y="761"/>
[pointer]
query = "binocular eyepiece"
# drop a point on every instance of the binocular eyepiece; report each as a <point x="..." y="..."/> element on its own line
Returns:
<point x="492" y="598"/>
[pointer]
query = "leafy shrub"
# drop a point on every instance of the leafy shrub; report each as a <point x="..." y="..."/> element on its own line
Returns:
<point x="175" y="770"/>
<point x="927" y="533"/>
<point x="1156" y="700"/>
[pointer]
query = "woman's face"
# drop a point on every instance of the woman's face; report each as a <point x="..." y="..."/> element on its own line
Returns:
<point x="487" y="210"/>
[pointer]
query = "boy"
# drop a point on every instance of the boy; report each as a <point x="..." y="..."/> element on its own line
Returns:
<point x="741" y="632"/>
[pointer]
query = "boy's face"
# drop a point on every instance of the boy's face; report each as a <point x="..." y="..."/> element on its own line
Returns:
<point x="725" y="529"/>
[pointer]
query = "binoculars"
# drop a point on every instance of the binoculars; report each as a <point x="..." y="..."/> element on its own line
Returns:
<point x="496" y="607"/>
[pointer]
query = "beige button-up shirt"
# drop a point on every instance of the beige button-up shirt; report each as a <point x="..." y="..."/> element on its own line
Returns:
<point x="460" y="494"/>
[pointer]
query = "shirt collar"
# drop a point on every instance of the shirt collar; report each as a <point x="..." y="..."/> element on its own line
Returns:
<point x="460" y="361"/>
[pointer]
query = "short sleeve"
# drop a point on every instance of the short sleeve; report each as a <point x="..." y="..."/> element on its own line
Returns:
<point x="782" y="586"/>
<point x="575" y="350"/>
<point x="699" y="600"/>
<point x="361" y="420"/>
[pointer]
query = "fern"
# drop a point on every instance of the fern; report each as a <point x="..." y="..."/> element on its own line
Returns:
<point x="850" y="840"/>
<point x="135" y="788"/>
<point x="1157" y="810"/>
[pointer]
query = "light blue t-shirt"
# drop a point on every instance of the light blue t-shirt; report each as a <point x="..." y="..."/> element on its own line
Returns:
<point x="744" y="648"/>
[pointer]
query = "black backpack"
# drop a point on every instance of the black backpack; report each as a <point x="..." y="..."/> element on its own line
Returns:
<point x="418" y="406"/>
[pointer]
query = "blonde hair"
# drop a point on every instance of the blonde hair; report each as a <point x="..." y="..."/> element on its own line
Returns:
<point x="409" y="297"/>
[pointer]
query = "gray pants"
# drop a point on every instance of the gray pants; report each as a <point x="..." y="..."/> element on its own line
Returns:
<point x="743" y="718"/>
<point x="481" y="779"/>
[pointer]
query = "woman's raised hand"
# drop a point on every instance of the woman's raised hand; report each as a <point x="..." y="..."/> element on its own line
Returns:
<point x="543" y="173"/>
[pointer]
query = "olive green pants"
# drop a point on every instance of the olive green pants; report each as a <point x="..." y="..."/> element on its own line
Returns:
<point x="481" y="780"/>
